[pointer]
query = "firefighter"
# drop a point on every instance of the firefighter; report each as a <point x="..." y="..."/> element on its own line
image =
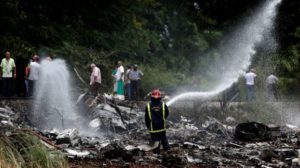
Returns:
<point x="156" y="113"/>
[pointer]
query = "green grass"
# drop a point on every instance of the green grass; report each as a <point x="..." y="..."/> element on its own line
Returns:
<point x="26" y="151"/>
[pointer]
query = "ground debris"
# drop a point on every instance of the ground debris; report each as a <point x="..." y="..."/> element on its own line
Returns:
<point x="120" y="139"/>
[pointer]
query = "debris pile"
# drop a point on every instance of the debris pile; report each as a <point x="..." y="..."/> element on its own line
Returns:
<point x="120" y="139"/>
<point x="7" y="116"/>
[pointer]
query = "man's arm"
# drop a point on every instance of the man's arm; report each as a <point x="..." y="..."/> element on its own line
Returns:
<point x="122" y="74"/>
<point x="15" y="72"/>
<point x="1" y="65"/>
<point x="100" y="77"/>
<point x="141" y="73"/>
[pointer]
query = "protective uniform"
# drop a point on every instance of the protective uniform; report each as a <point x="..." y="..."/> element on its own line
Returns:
<point x="156" y="113"/>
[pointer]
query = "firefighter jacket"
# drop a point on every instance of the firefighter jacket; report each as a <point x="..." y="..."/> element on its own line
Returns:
<point x="156" y="113"/>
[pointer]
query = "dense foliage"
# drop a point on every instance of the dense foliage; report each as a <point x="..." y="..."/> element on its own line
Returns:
<point x="169" y="39"/>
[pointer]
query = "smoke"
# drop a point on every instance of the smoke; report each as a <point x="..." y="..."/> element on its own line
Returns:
<point x="238" y="51"/>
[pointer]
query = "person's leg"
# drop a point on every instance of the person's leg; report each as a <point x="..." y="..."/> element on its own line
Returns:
<point x="115" y="88"/>
<point x="26" y="87"/>
<point x="30" y="88"/>
<point x="155" y="138"/>
<point x="93" y="90"/>
<point x="125" y="91"/>
<point x="275" y="93"/>
<point x="34" y="87"/>
<point x="10" y="87"/>
<point x="129" y="91"/>
<point x="4" y="87"/>
<point x="138" y="89"/>
<point x="97" y="88"/>
<point x="164" y="141"/>
<point x="133" y="89"/>
<point x="248" y="92"/>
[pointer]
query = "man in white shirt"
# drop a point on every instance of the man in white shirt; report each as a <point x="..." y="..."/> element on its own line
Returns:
<point x="271" y="82"/>
<point x="250" y="79"/>
<point x="95" y="81"/>
<point x="8" y="73"/>
<point x="135" y="77"/>
<point x="34" y="71"/>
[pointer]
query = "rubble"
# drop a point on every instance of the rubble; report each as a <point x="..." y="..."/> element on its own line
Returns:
<point x="7" y="116"/>
<point x="252" y="131"/>
<point x="74" y="153"/>
<point x="69" y="136"/>
<point x="121" y="138"/>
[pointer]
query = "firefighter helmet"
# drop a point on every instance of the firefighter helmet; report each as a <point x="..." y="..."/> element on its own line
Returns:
<point x="155" y="94"/>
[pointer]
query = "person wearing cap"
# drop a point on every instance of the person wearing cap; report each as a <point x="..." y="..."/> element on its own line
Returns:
<point x="8" y="74"/>
<point x="135" y="78"/>
<point x="250" y="81"/>
<point x="95" y="80"/>
<point x="33" y="71"/>
<point x="156" y="113"/>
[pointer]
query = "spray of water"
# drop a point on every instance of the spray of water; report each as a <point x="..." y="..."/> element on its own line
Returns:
<point x="238" y="51"/>
<point x="53" y="107"/>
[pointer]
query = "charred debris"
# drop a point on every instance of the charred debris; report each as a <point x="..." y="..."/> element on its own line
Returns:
<point x="115" y="136"/>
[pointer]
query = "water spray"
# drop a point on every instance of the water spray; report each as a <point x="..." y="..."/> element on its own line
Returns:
<point x="54" y="104"/>
<point x="238" y="51"/>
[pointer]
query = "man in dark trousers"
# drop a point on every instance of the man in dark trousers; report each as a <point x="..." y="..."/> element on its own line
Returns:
<point x="156" y="113"/>
<point x="8" y="73"/>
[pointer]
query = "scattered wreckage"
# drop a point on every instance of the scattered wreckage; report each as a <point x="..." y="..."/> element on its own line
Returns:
<point x="116" y="136"/>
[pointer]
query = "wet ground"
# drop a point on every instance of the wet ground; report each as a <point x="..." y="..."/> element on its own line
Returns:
<point x="117" y="137"/>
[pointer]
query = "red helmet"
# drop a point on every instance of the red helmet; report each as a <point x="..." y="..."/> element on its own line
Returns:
<point x="155" y="94"/>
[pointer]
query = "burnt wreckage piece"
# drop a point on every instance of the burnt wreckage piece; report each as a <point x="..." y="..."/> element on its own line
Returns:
<point x="252" y="131"/>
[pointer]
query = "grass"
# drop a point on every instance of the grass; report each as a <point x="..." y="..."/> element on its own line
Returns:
<point x="22" y="150"/>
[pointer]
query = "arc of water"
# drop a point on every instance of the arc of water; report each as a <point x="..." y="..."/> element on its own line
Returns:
<point x="239" y="50"/>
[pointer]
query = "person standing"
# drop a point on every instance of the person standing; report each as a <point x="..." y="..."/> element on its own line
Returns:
<point x="26" y="78"/>
<point x="128" y="82"/>
<point x="135" y="78"/>
<point x="8" y="73"/>
<point x="250" y="78"/>
<point x="95" y="80"/>
<point x="34" y="70"/>
<point x="271" y="83"/>
<point x="120" y="81"/>
<point x="114" y="75"/>
<point x="156" y="113"/>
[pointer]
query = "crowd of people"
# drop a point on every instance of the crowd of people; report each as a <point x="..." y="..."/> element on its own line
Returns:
<point x="8" y="74"/>
<point x="126" y="84"/>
